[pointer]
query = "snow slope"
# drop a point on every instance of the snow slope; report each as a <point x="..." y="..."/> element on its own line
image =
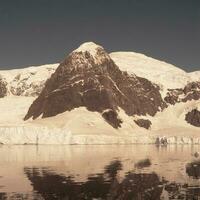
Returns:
<point x="159" y="72"/>
<point x="78" y="126"/>
<point x="13" y="110"/>
<point x="81" y="126"/>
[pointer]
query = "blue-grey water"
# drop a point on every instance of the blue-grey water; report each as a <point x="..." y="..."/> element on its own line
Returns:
<point x="109" y="172"/>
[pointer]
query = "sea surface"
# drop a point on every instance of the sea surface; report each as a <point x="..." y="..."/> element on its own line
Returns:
<point x="97" y="172"/>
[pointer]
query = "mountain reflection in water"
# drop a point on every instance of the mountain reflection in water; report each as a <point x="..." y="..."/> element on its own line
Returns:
<point x="108" y="185"/>
<point x="193" y="169"/>
<point x="101" y="186"/>
<point x="142" y="172"/>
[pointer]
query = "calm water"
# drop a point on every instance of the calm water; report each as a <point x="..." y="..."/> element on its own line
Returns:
<point x="99" y="172"/>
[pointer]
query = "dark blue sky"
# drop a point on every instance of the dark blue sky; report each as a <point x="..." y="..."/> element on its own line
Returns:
<point x="34" y="32"/>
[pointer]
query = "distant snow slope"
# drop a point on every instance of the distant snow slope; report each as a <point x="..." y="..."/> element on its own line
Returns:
<point x="195" y="76"/>
<point x="174" y="116"/>
<point x="28" y="81"/>
<point x="159" y="72"/>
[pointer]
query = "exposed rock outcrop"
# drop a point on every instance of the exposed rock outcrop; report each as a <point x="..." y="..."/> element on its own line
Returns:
<point x="193" y="117"/>
<point x="190" y="92"/>
<point x="3" y="88"/>
<point x="112" y="118"/>
<point x="145" y="123"/>
<point x="88" y="77"/>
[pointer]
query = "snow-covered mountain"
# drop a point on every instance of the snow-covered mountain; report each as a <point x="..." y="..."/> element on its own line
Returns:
<point x="167" y="76"/>
<point x="89" y="78"/>
<point x="93" y="97"/>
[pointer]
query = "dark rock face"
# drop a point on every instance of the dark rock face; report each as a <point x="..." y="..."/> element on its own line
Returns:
<point x="96" y="83"/>
<point x="193" y="117"/>
<point x="112" y="118"/>
<point x="3" y="89"/>
<point x="173" y="96"/>
<point x="145" y="123"/>
<point x="190" y="92"/>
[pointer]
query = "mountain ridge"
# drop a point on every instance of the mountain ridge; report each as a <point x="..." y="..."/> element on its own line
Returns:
<point x="132" y="62"/>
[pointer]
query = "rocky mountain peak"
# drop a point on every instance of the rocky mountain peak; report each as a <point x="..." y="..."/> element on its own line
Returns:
<point x="93" y="51"/>
<point x="91" y="47"/>
<point x="89" y="78"/>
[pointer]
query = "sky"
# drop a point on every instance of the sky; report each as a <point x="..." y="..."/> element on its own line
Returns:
<point x="36" y="32"/>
